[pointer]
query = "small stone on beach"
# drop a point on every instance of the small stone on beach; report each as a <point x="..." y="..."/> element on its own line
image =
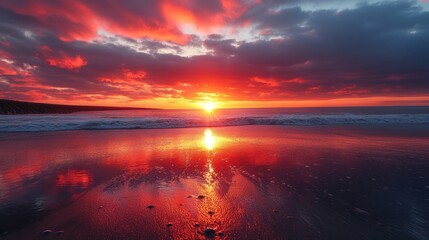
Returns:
<point x="201" y="196"/>
<point x="150" y="206"/>
<point x="209" y="232"/>
<point x="211" y="212"/>
<point x="197" y="225"/>
<point x="169" y="224"/>
<point x="58" y="232"/>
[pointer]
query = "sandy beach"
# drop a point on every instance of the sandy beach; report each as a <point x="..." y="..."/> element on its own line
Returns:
<point x="249" y="182"/>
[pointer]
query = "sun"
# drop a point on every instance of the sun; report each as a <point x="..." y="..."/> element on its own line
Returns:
<point x="209" y="106"/>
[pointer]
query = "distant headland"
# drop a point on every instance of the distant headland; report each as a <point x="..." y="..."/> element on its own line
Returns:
<point x="18" y="107"/>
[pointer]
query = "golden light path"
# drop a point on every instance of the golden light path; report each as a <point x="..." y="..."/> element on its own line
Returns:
<point x="209" y="139"/>
<point x="210" y="174"/>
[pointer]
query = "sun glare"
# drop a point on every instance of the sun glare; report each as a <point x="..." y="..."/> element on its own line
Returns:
<point x="209" y="106"/>
<point x="209" y="139"/>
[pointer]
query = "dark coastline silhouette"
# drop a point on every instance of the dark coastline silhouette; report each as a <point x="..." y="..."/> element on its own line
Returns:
<point x="17" y="107"/>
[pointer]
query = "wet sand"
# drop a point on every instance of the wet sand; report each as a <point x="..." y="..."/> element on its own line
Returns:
<point x="251" y="182"/>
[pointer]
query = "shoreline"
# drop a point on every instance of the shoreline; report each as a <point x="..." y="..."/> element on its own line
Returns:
<point x="415" y="130"/>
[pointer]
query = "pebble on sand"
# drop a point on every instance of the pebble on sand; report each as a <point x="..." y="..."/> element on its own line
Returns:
<point x="209" y="232"/>
<point x="197" y="225"/>
<point x="211" y="212"/>
<point x="169" y="224"/>
<point x="201" y="196"/>
<point x="58" y="232"/>
<point x="221" y="234"/>
<point x="150" y="206"/>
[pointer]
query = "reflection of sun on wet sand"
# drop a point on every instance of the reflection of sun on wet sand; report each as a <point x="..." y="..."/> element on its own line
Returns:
<point x="243" y="183"/>
<point x="211" y="202"/>
<point x="209" y="139"/>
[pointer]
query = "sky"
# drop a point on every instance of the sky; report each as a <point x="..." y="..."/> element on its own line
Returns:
<point x="237" y="53"/>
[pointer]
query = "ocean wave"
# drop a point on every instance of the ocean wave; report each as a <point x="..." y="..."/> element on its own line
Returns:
<point x="60" y="123"/>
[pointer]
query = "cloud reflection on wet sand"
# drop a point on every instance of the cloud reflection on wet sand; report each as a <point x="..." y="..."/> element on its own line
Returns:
<point x="243" y="182"/>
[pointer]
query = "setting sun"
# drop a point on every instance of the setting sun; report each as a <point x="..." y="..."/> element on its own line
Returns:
<point x="209" y="106"/>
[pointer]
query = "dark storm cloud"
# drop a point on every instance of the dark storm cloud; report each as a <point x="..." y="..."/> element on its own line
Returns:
<point x="265" y="17"/>
<point x="377" y="49"/>
<point x="221" y="46"/>
<point x="373" y="49"/>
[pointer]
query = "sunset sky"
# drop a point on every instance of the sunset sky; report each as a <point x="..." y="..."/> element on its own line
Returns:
<point x="239" y="53"/>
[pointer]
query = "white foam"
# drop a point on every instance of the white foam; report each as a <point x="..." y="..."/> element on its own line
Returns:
<point x="32" y="123"/>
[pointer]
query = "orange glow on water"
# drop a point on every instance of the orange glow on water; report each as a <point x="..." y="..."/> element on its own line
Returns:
<point x="74" y="178"/>
<point x="209" y="139"/>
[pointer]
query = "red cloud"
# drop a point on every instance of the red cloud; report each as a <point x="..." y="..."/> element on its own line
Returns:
<point x="61" y="60"/>
<point x="266" y="81"/>
<point x="68" y="62"/>
<point x="82" y="20"/>
<point x="155" y="19"/>
<point x="205" y="16"/>
<point x="6" y="69"/>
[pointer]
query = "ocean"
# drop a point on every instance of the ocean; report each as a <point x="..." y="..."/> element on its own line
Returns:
<point x="290" y="173"/>
<point x="156" y="119"/>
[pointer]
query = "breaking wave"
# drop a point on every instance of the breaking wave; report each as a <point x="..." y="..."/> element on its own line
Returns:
<point x="67" y="122"/>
